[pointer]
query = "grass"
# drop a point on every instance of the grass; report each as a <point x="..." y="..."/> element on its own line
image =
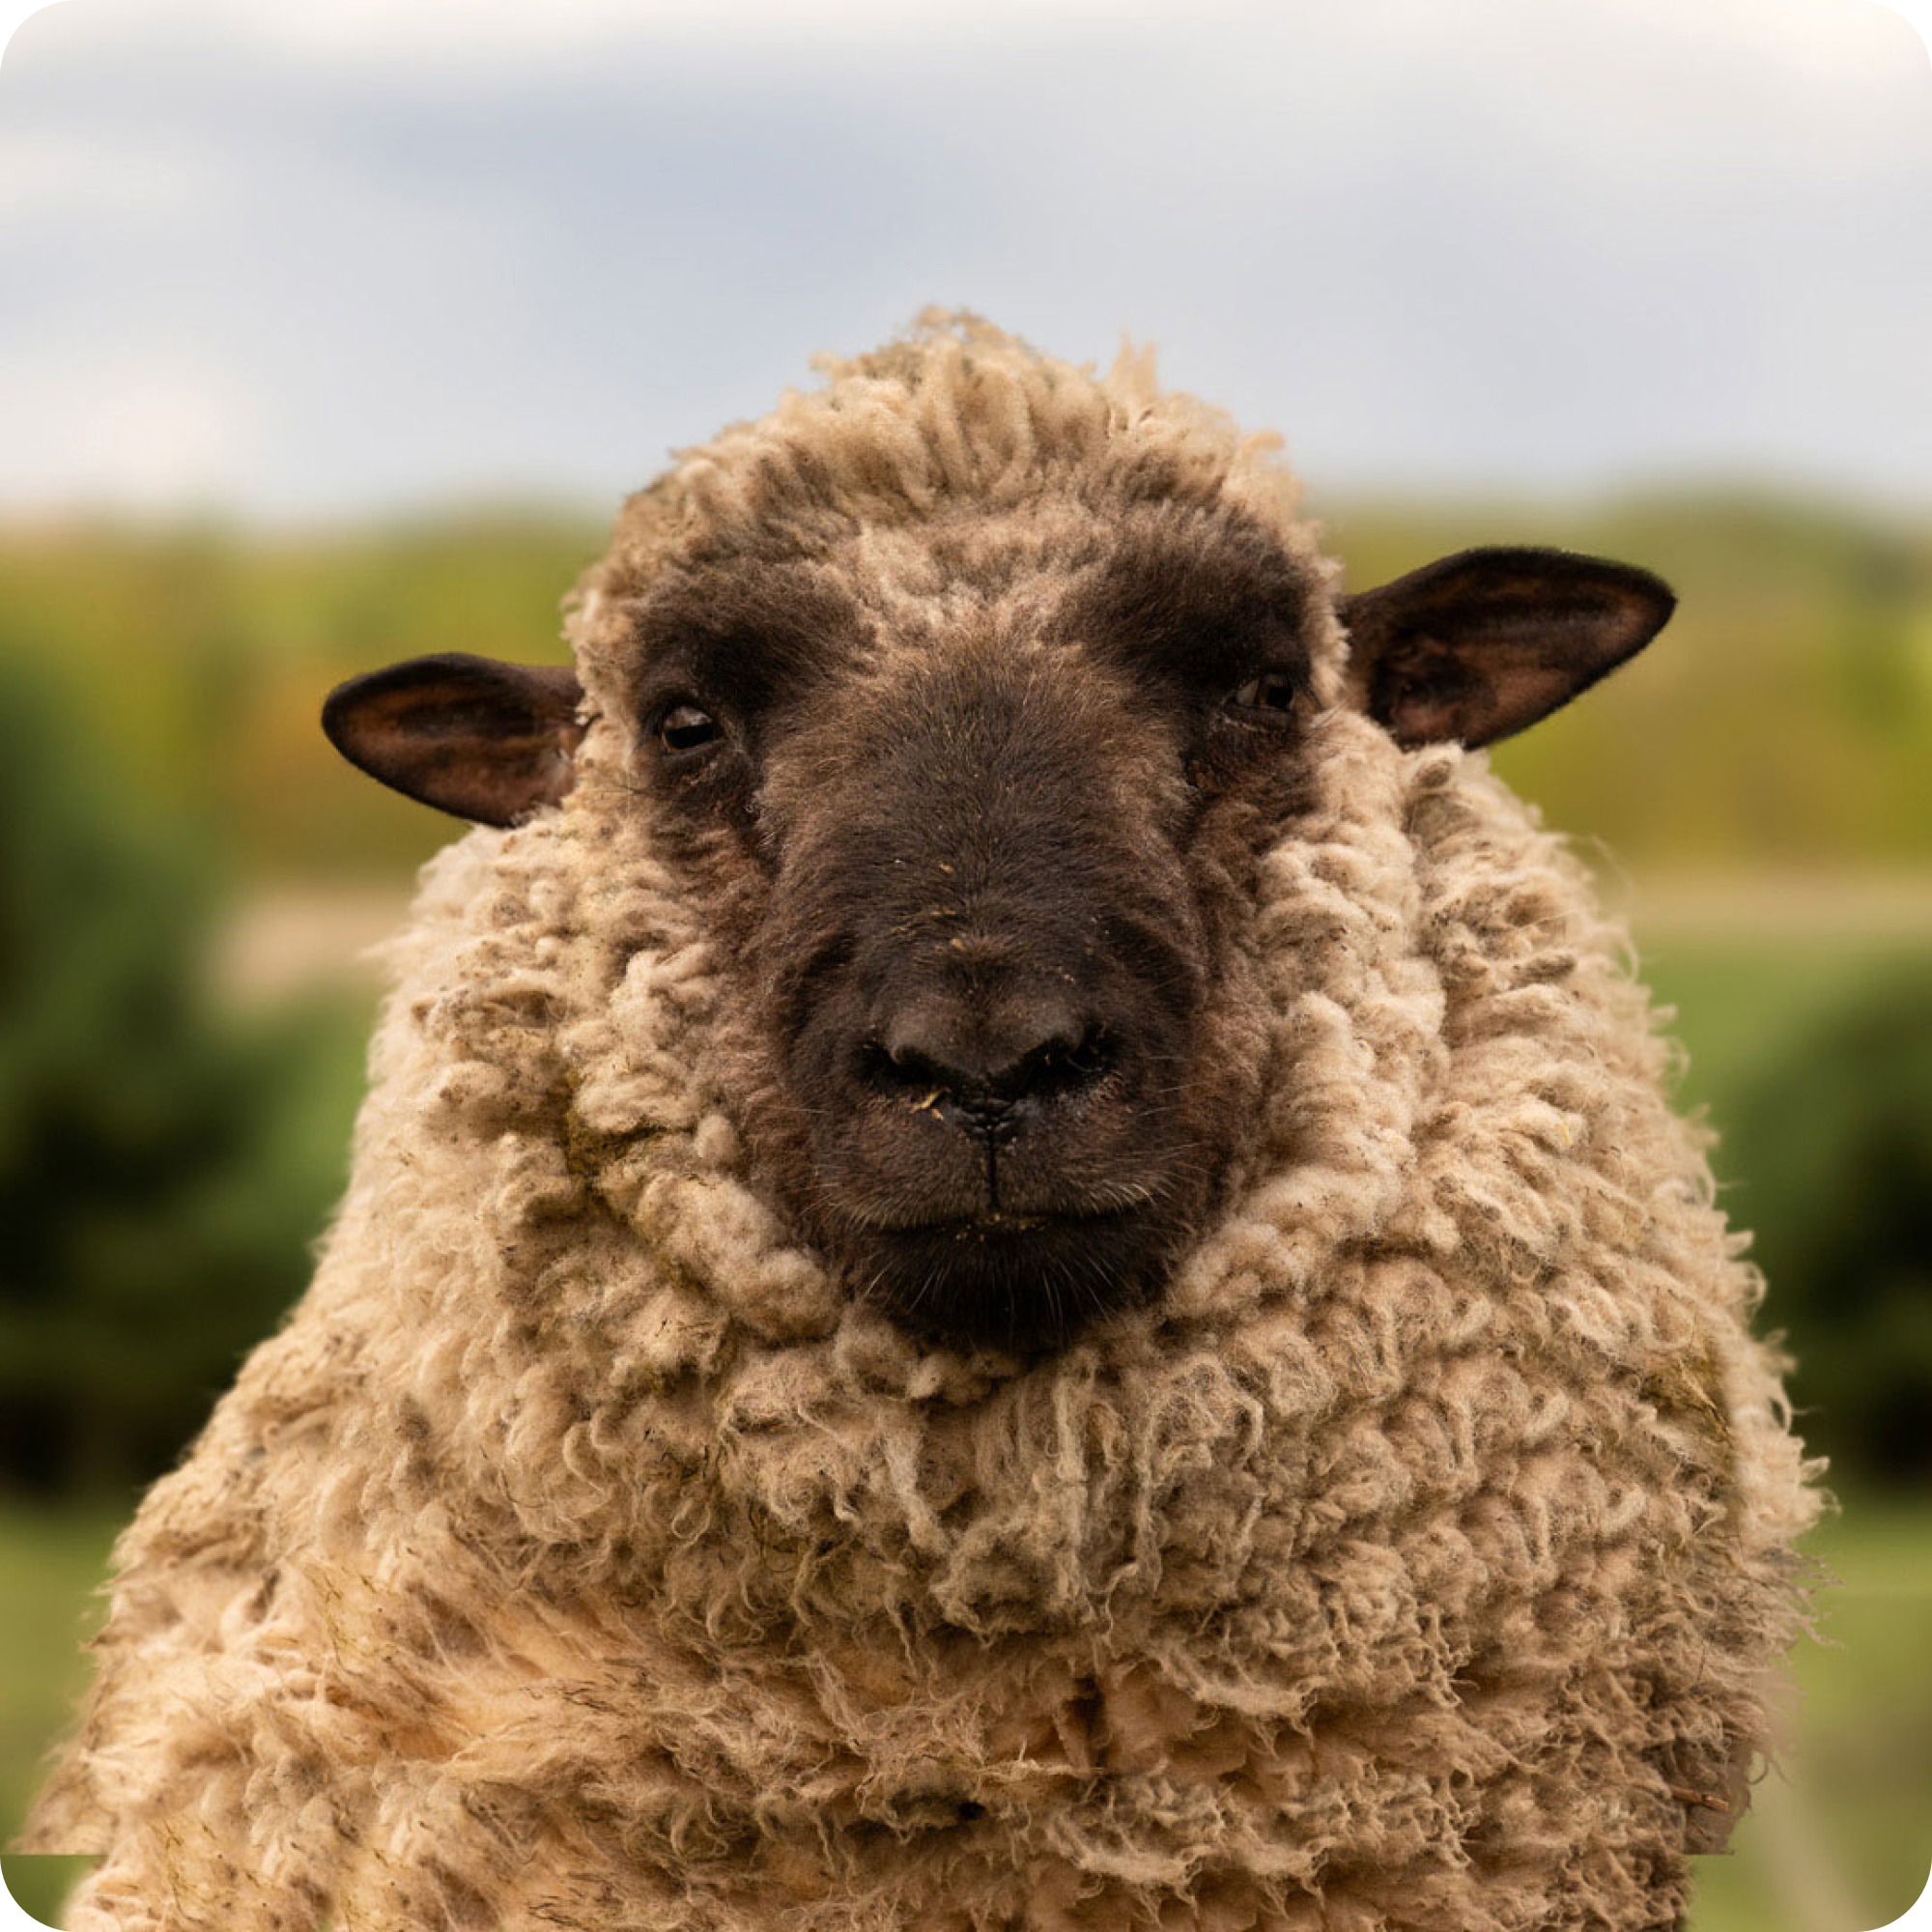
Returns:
<point x="1839" y="1835"/>
<point x="52" y="1562"/>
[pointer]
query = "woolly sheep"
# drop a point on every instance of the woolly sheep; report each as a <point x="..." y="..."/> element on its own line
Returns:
<point x="1015" y="1259"/>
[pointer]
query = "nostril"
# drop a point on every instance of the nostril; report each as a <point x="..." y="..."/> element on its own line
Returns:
<point x="983" y="1082"/>
<point x="1060" y="1066"/>
<point x="905" y="1069"/>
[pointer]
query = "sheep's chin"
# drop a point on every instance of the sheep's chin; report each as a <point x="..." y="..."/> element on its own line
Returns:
<point x="1025" y="1284"/>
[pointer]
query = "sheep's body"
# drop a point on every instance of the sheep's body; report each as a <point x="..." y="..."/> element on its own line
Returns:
<point x="580" y="1555"/>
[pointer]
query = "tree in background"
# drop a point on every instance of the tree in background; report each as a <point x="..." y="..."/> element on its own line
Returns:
<point x="1834" y="1142"/>
<point x="162" y="1169"/>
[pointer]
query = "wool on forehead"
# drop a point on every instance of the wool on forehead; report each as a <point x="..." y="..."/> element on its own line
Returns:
<point x="958" y="416"/>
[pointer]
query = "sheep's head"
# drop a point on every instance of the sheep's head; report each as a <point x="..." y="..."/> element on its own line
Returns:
<point x="970" y="780"/>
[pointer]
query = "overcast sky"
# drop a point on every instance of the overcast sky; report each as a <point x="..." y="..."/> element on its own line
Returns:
<point x="286" y="260"/>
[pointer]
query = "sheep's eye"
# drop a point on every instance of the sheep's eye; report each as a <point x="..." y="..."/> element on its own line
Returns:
<point x="684" y="727"/>
<point x="1271" y="691"/>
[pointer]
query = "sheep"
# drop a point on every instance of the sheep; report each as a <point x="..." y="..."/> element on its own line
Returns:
<point x="1016" y="1258"/>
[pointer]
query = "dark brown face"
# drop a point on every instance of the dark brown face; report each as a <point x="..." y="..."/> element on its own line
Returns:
<point x="980" y="870"/>
<point x="971" y="810"/>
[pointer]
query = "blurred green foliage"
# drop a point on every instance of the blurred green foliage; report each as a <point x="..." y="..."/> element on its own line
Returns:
<point x="1830" y="1138"/>
<point x="1810" y="1052"/>
<point x="157" y="1182"/>
<point x="202" y="656"/>
<point x="1784" y="718"/>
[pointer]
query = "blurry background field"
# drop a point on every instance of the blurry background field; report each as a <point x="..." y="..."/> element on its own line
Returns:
<point x="194" y="877"/>
<point x="292" y="289"/>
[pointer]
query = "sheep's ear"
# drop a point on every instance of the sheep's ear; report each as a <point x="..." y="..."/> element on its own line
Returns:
<point x="1483" y="644"/>
<point x="485" y="741"/>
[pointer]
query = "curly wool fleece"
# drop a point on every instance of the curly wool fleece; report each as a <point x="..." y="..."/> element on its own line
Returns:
<point x="579" y="1555"/>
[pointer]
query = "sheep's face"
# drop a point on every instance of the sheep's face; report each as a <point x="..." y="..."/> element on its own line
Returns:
<point x="971" y="806"/>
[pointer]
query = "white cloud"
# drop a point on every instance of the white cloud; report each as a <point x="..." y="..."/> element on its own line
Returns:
<point x="1821" y="40"/>
<point x="15" y="13"/>
<point x="512" y="244"/>
<point x="156" y="438"/>
<point x="557" y="32"/>
<point x="71" y="174"/>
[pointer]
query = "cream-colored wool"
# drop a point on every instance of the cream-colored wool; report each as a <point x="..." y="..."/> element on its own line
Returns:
<point x="580" y="1556"/>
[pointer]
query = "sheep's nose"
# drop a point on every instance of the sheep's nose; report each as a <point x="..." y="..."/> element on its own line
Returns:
<point x="986" y="1067"/>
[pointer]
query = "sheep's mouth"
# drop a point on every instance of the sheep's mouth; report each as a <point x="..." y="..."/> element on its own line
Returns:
<point x="1021" y="1281"/>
